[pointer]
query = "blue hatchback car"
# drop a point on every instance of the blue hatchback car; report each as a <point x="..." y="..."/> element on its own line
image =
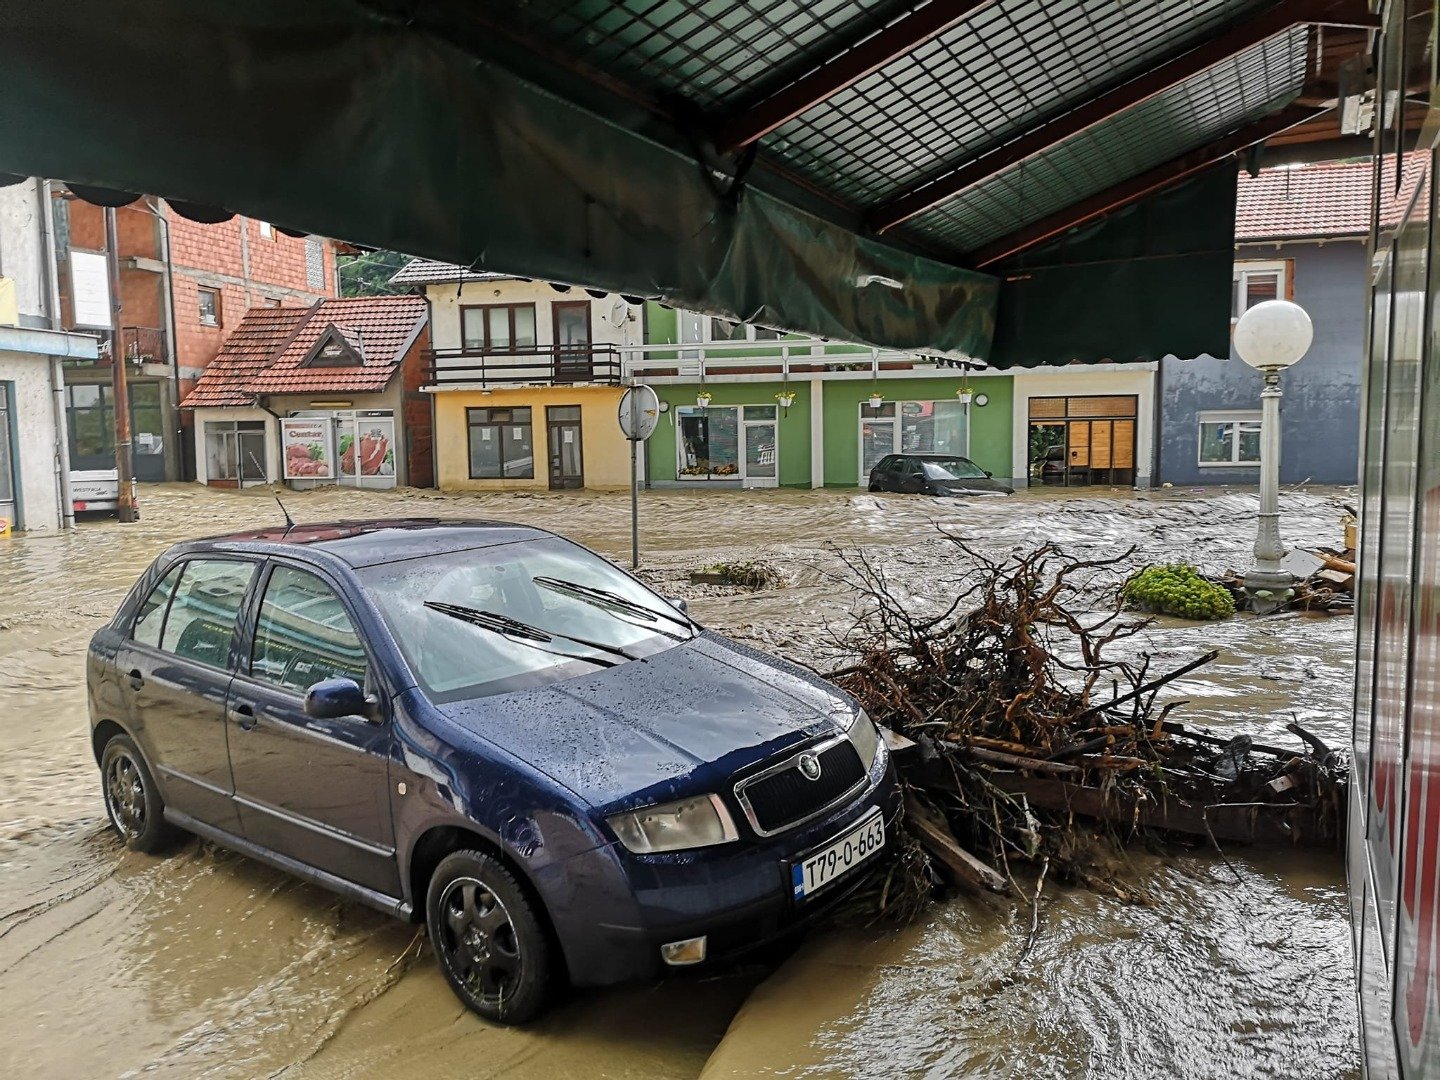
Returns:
<point x="488" y="727"/>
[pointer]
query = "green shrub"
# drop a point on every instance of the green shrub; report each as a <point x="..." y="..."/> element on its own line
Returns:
<point x="1178" y="589"/>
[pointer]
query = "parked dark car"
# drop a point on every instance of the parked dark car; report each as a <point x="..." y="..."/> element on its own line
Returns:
<point x="493" y="729"/>
<point x="934" y="474"/>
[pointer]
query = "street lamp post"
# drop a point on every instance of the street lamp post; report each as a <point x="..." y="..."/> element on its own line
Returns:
<point x="1270" y="337"/>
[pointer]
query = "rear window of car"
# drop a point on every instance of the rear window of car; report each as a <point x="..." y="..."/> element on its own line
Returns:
<point x="193" y="609"/>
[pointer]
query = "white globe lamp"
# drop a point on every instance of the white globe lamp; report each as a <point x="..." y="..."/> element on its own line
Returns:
<point x="1270" y="337"/>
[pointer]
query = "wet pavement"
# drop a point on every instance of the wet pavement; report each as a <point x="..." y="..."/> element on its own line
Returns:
<point x="208" y="964"/>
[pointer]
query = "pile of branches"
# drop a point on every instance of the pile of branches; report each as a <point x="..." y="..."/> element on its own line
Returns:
<point x="1026" y="723"/>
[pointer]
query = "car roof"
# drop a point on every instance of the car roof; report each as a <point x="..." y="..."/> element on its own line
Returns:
<point x="935" y="455"/>
<point x="370" y="543"/>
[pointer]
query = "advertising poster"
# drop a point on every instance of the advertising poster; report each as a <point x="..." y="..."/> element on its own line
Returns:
<point x="368" y="445"/>
<point x="305" y="442"/>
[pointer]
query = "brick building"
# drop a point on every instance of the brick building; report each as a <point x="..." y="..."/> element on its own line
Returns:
<point x="184" y="285"/>
<point x="329" y="394"/>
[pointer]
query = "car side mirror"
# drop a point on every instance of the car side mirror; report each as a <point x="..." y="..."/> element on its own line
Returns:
<point x="678" y="604"/>
<point x="335" y="699"/>
<point x="989" y="474"/>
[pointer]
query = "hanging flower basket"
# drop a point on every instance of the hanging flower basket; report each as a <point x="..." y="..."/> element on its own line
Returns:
<point x="785" y="398"/>
<point x="876" y="400"/>
<point x="702" y="399"/>
<point x="965" y="396"/>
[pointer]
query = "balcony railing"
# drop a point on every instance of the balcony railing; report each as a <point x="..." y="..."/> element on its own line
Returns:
<point x="613" y="364"/>
<point x="548" y="364"/>
<point x="138" y="344"/>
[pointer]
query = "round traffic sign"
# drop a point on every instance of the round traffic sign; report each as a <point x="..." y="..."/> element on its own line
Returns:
<point x="639" y="413"/>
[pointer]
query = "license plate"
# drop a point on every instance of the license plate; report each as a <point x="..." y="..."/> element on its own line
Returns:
<point x="814" y="871"/>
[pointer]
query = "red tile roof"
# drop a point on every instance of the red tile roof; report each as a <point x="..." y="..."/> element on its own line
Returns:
<point x="1328" y="199"/>
<point x="265" y="354"/>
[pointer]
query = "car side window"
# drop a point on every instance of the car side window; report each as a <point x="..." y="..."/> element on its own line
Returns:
<point x="304" y="634"/>
<point x="151" y="619"/>
<point x="205" y="609"/>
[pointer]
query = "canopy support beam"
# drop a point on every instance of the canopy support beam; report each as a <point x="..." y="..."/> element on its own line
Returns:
<point x="1129" y="191"/>
<point x="844" y="70"/>
<point x="1274" y="20"/>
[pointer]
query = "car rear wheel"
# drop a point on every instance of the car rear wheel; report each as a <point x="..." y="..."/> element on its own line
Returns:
<point x="132" y="800"/>
<point x="488" y="938"/>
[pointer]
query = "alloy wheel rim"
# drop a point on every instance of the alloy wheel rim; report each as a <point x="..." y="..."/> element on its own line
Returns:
<point x="125" y="795"/>
<point x="479" y="940"/>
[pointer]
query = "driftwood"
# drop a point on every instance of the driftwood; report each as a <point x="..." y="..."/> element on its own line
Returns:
<point x="1025" y="724"/>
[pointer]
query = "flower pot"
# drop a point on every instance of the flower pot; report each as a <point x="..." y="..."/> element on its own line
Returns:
<point x="702" y="400"/>
<point x="876" y="400"/>
<point x="785" y="400"/>
<point x="964" y="396"/>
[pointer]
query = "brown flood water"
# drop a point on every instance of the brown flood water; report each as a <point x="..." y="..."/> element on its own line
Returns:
<point x="207" y="964"/>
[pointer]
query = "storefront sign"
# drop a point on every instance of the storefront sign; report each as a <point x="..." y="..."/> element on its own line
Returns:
<point x="305" y="443"/>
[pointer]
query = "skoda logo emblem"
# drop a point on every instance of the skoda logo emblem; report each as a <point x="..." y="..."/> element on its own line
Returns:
<point x="809" y="766"/>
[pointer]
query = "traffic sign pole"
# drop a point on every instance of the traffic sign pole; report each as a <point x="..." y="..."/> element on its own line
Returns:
<point x="638" y="414"/>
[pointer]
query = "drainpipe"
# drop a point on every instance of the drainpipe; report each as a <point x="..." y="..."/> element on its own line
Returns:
<point x="183" y="463"/>
<point x="50" y="291"/>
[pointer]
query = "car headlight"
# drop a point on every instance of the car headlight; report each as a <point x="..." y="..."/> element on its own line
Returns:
<point x="865" y="737"/>
<point x="697" y="822"/>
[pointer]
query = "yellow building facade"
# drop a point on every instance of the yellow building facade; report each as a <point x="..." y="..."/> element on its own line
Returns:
<point x="533" y="433"/>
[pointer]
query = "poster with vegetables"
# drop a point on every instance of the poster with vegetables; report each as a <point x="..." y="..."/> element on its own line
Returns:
<point x="369" y="444"/>
<point x="305" y="443"/>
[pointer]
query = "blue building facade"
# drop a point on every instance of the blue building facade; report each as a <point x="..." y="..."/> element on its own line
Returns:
<point x="1210" y="408"/>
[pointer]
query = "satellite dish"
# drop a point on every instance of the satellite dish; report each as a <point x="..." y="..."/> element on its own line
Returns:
<point x="618" y="311"/>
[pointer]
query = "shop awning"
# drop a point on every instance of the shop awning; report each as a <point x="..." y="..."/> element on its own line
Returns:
<point x="857" y="170"/>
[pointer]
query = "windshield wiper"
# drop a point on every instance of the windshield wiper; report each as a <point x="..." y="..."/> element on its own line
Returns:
<point x="613" y="603"/>
<point x="526" y="634"/>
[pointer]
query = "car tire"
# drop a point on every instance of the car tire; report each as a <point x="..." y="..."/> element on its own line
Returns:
<point x="874" y="486"/>
<point x="132" y="801"/>
<point x="487" y="937"/>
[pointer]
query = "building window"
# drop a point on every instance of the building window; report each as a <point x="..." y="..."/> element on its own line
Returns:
<point x="90" y="413"/>
<point x="235" y="452"/>
<point x="267" y="231"/>
<point x="1258" y="281"/>
<point x="497" y="327"/>
<point x="1230" y="438"/>
<point x="209" y="307"/>
<point x="727" y="442"/>
<point x="500" y="444"/>
<point x="728" y="330"/>
<point x="314" y="264"/>
<point x="912" y="427"/>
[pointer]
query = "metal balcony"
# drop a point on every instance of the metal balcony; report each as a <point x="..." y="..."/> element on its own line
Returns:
<point x="542" y="364"/>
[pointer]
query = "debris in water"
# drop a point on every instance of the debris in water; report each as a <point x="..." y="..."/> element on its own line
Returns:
<point x="1023" y="724"/>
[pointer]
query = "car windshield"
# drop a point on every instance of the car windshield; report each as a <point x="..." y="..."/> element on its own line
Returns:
<point x="952" y="468"/>
<point x="469" y="622"/>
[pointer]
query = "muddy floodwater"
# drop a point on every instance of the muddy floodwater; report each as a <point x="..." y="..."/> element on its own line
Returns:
<point x="207" y="964"/>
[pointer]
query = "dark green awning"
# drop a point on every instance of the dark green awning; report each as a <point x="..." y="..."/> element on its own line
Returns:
<point x="325" y="116"/>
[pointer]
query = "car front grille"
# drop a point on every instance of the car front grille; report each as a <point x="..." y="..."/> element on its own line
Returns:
<point x="783" y="796"/>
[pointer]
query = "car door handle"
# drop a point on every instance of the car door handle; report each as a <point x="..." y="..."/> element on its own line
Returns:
<point x="137" y="680"/>
<point x="245" y="716"/>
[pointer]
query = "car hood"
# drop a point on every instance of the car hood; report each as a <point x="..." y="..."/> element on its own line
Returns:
<point x="677" y="722"/>
<point x="975" y="483"/>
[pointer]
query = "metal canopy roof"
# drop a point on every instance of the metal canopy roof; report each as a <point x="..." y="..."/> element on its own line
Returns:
<point x="736" y="152"/>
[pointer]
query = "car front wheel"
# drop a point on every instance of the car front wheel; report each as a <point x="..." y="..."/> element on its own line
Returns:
<point x="132" y="800"/>
<point x="488" y="938"/>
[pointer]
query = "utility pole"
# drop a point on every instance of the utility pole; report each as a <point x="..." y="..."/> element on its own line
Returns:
<point x="128" y="505"/>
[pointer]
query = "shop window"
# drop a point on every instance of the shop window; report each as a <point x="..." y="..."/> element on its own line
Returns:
<point x="501" y="446"/>
<point x="209" y="307"/>
<point x="235" y="452"/>
<point x="708" y="442"/>
<point x="912" y="427"/>
<point x="497" y="327"/>
<point x="91" y="415"/>
<point x="1255" y="282"/>
<point x="1231" y="438"/>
